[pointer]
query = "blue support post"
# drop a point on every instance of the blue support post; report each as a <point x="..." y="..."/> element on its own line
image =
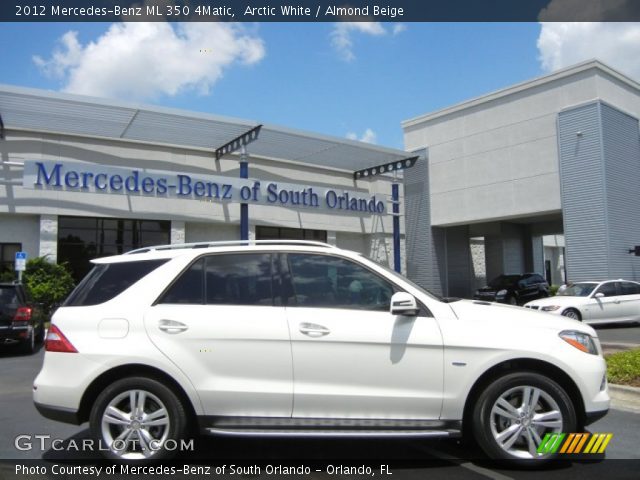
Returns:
<point x="395" y="198"/>
<point x="244" y="207"/>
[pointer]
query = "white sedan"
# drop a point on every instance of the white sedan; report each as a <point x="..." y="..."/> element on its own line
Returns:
<point x="595" y="302"/>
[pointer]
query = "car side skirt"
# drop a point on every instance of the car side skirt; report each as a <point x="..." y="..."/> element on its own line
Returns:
<point x="338" y="427"/>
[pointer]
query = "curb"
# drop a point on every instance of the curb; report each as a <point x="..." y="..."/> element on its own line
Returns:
<point x="624" y="397"/>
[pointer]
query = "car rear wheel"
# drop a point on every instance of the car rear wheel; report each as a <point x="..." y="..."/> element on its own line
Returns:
<point x="572" y="313"/>
<point x="515" y="412"/>
<point x="511" y="300"/>
<point x="138" y="419"/>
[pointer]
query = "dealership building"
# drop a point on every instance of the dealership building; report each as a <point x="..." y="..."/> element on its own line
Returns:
<point x="82" y="178"/>
<point x="555" y="158"/>
<point x="543" y="176"/>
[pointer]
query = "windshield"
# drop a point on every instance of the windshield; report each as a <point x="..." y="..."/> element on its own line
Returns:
<point x="578" y="290"/>
<point x="8" y="296"/>
<point x="504" y="281"/>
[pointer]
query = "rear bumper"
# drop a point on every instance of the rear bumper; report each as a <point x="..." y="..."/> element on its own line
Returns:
<point x="10" y="335"/>
<point x="59" y="414"/>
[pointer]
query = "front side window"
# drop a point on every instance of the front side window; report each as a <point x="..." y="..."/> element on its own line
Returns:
<point x="331" y="282"/>
<point x="608" y="289"/>
<point x="235" y="279"/>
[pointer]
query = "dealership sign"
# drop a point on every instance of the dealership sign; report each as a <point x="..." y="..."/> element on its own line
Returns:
<point x="91" y="178"/>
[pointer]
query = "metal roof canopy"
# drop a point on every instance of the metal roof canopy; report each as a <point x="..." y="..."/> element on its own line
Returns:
<point x="39" y="110"/>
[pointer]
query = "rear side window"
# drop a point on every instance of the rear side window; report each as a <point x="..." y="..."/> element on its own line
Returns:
<point x="236" y="279"/>
<point x="105" y="281"/>
<point x="628" y="288"/>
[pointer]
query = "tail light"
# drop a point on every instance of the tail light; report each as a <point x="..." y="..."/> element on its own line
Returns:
<point x="23" y="314"/>
<point x="57" y="342"/>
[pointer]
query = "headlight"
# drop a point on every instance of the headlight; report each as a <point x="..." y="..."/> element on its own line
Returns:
<point x="582" y="341"/>
<point x="550" y="308"/>
<point x="501" y="293"/>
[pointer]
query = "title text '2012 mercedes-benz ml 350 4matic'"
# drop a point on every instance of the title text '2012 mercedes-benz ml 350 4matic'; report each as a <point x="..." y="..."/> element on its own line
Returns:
<point x="303" y="338"/>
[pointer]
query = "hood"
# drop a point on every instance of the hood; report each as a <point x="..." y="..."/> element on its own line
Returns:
<point x="496" y="314"/>
<point x="557" y="300"/>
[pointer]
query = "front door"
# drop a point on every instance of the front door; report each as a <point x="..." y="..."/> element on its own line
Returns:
<point x="352" y="358"/>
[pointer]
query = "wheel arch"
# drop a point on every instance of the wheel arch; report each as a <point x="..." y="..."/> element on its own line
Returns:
<point x="525" y="365"/>
<point x="131" y="370"/>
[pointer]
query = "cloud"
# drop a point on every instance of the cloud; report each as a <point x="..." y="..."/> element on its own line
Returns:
<point x="369" y="136"/>
<point x="138" y="60"/>
<point x="342" y="35"/>
<point x="616" y="44"/>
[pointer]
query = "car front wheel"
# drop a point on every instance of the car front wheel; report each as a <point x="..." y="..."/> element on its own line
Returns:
<point x="134" y="418"/>
<point x="515" y="412"/>
<point x="572" y="313"/>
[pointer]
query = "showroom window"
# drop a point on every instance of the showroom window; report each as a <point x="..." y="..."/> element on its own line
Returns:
<point x="280" y="233"/>
<point x="7" y="259"/>
<point x="81" y="239"/>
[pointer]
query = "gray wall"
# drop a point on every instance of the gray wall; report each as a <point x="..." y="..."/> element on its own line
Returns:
<point x="426" y="247"/>
<point x="600" y="183"/>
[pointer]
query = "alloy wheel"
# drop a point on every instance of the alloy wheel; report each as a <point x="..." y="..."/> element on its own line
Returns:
<point x="520" y="418"/>
<point x="135" y="425"/>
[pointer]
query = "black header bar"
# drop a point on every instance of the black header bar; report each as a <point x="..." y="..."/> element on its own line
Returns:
<point x="320" y="11"/>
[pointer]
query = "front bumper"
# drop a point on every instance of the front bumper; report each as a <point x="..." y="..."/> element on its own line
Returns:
<point x="592" y="417"/>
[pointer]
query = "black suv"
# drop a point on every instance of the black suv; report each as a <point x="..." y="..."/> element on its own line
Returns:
<point x="21" y="320"/>
<point x="514" y="289"/>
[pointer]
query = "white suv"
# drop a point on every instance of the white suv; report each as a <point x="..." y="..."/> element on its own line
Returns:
<point x="291" y="338"/>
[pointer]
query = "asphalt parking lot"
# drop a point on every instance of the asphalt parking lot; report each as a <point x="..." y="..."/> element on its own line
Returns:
<point x="409" y="459"/>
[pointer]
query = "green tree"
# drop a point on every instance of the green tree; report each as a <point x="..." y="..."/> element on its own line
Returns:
<point x="48" y="282"/>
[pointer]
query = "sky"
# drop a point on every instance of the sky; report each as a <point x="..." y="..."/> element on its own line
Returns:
<point x="353" y="80"/>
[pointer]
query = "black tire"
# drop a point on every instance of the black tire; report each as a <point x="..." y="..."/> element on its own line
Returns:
<point x="156" y="397"/>
<point x="490" y="427"/>
<point x="511" y="300"/>
<point x="572" y="313"/>
<point x="29" y="346"/>
<point x="40" y="337"/>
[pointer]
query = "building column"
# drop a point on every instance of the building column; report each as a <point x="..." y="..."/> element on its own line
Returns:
<point x="332" y="237"/>
<point x="459" y="262"/>
<point x="178" y="232"/>
<point x="49" y="237"/>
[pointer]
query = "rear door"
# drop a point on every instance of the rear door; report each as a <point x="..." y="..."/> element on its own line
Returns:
<point x="629" y="301"/>
<point x="222" y="324"/>
<point x="352" y="358"/>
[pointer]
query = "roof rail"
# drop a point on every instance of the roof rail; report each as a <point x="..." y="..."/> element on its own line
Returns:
<point x="228" y="243"/>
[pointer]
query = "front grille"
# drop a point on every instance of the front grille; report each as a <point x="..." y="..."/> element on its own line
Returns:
<point x="535" y="307"/>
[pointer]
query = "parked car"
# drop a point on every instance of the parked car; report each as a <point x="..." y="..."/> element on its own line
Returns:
<point x="514" y="289"/>
<point x="167" y="337"/>
<point x="595" y="302"/>
<point x="21" y="320"/>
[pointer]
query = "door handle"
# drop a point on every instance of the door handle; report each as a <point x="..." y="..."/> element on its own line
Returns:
<point x="314" y="330"/>
<point x="172" y="326"/>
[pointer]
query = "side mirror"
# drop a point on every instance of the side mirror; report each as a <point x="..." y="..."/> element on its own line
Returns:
<point x="599" y="295"/>
<point x="403" y="303"/>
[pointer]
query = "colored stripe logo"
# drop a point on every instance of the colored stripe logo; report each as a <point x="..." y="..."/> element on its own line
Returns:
<point x="574" y="443"/>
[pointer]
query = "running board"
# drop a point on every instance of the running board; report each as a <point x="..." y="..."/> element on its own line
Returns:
<point x="298" y="432"/>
